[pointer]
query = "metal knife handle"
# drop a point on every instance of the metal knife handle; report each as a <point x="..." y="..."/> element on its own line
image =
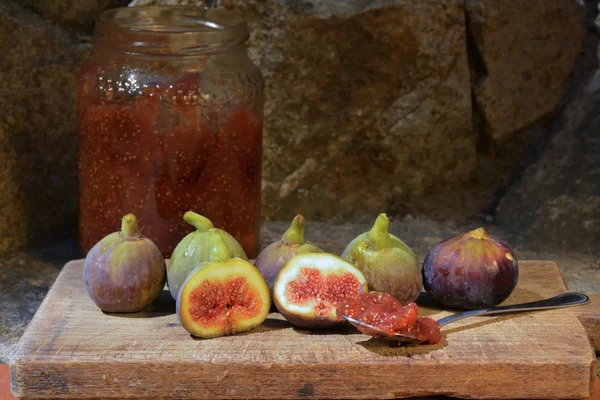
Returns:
<point x="562" y="300"/>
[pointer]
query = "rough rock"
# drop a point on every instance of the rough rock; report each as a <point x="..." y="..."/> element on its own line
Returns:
<point x="559" y="219"/>
<point x="78" y="15"/>
<point x="38" y="174"/>
<point x="556" y="203"/>
<point x="524" y="52"/>
<point x="197" y="3"/>
<point x="368" y="105"/>
<point x="553" y="203"/>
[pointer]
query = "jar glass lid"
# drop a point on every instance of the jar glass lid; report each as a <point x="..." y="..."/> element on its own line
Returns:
<point x="186" y="29"/>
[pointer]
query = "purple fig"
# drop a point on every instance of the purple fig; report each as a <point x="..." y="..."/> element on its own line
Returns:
<point x="272" y="259"/>
<point x="469" y="271"/>
<point x="125" y="271"/>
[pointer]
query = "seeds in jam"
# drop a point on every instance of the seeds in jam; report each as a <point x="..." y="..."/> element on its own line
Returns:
<point x="165" y="152"/>
<point x="389" y="317"/>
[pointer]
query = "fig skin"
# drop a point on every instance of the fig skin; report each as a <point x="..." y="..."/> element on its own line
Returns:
<point x="470" y="271"/>
<point x="270" y="261"/>
<point x="389" y="265"/>
<point x="124" y="272"/>
<point x="323" y="261"/>
<point x="233" y="267"/>
<point x="197" y="248"/>
<point x="308" y="322"/>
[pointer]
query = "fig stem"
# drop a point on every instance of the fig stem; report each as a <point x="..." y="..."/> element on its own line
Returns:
<point x="129" y="226"/>
<point x="378" y="237"/>
<point x="198" y="221"/>
<point x="478" y="233"/>
<point x="295" y="233"/>
<point x="218" y="252"/>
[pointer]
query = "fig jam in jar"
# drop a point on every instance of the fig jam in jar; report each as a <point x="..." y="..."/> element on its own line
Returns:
<point x="170" y="120"/>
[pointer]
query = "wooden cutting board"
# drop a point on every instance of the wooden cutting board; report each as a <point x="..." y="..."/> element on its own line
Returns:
<point x="73" y="350"/>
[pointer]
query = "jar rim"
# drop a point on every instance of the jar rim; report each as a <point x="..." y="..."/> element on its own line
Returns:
<point x="147" y="27"/>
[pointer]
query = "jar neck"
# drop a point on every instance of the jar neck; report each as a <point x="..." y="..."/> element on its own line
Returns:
<point x="170" y="31"/>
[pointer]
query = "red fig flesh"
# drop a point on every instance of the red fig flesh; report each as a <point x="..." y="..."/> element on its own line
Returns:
<point x="310" y="286"/>
<point x="223" y="298"/>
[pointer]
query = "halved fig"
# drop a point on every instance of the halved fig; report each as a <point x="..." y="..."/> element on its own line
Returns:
<point x="223" y="298"/>
<point x="310" y="286"/>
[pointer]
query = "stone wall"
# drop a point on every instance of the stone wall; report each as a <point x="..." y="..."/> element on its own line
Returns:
<point x="422" y="108"/>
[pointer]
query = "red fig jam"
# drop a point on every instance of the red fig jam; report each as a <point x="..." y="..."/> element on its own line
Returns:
<point x="170" y="122"/>
<point x="389" y="317"/>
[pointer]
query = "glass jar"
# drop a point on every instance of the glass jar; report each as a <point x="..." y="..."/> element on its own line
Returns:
<point x="170" y="119"/>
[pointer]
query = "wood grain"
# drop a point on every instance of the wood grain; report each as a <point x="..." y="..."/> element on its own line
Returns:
<point x="589" y="316"/>
<point x="73" y="350"/>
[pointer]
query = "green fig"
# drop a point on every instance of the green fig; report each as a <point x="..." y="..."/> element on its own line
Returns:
<point x="270" y="261"/>
<point x="389" y="265"/>
<point x="125" y="271"/>
<point x="199" y="247"/>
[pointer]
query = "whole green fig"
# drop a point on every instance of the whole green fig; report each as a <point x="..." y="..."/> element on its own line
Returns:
<point x="197" y="247"/>
<point x="389" y="265"/>
<point x="125" y="271"/>
<point x="270" y="261"/>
